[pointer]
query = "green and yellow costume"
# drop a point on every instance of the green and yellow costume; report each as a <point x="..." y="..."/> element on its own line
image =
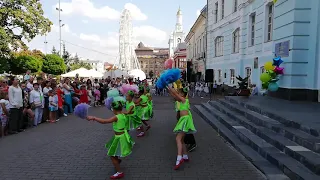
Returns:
<point x="143" y="112"/>
<point x="150" y="105"/>
<point x="185" y="123"/>
<point x="133" y="121"/>
<point x="120" y="145"/>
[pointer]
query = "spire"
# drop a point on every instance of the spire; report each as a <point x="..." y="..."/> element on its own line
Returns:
<point x="179" y="12"/>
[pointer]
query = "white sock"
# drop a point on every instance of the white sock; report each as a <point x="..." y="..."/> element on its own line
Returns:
<point x="178" y="159"/>
<point x="185" y="156"/>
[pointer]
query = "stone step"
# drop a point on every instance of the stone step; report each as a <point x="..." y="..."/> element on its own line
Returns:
<point x="314" y="131"/>
<point x="292" y="168"/>
<point x="307" y="157"/>
<point x="269" y="170"/>
<point x="298" y="136"/>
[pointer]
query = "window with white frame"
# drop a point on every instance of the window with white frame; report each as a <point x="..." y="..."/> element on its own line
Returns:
<point x="200" y="46"/>
<point x="219" y="46"/>
<point x="219" y="75"/>
<point x="248" y="74"/>
<point x="235" y="40"/>
<point x="216" y="12"/>
<point x="179" y="40"/>
<point x="252" y="29"/>
<point x="222" y="9"/>
<point x="262" y="70"/>
<point x="235" y="5"/>
<point x="269" y="22"/>
<point x="232" y="76"/>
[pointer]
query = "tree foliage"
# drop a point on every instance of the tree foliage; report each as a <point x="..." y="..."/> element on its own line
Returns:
<point x="20" y="64"/>
<point x="80" y="64"/>
<point x="53" y="64"/>
<point x="66" y="55"/>
<point x="20" y="20"/>
<point x="4" y="65"/>
<point x="54" y="51"/>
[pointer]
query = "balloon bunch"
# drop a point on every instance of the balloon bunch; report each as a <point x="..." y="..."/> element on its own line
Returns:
<point x="127" y="87"/>
<point x="270" y="78"/>
<point x="168" y="77"/>
<point x="113" y="95"/>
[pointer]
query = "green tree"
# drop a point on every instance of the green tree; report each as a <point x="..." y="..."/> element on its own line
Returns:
<point x="80" y="64"/>
<point x="76" y="59"/>
<point x="20" y="20"/>
<point x="35" y="53"/>
<point x="151" y="74"/>
<point x="66" y="55"/>
<point x="54" y="51"/>
<point x="53" y="64"/>
<point x="4" y="64"/>
<point x="21" y="63"/>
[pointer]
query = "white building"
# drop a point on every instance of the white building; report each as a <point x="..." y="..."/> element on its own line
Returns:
<point x="197" y="44"/>
<point x="96" y="65"/>
<point x="177" y="36"/>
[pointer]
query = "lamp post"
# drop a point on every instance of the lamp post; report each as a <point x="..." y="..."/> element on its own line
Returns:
<point x="60" y="26"/>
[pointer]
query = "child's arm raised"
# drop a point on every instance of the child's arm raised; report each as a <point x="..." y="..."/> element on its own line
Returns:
<point x="102" y="121"/>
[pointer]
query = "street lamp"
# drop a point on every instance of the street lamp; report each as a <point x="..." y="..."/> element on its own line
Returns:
<point x="60" y="26"/>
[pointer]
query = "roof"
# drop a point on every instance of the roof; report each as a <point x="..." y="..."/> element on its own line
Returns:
<point x="179" y="11"/>
<point x="203" y="14"/>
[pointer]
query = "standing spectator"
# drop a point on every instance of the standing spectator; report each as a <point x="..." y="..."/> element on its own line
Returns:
<point x="67" y="96"/>
<point x="30" y="84"/>
<point x="27" y="76"/>
<point x="28" y="114"/>
<point x="4" y="85"/>
<point x="40" y="83"/>
<point x="4" y="112"/>
<point x="46" y="90"/>
<point x="89" y="83"/>
<point x="53" y="106"/>
<point x="83" y="94"/>
<point x="16" y="104"/>
<point x="59" y="92"/>
<point x="37" y="102"/>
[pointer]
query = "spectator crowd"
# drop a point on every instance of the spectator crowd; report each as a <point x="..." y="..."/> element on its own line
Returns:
<point x="31" y="101"/>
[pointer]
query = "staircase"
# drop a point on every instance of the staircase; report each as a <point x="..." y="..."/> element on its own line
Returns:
<point x="279" y="148"/>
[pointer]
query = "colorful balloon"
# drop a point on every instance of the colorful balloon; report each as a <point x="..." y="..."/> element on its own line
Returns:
<point x="265" y="77"/>
<point x="168" y="64"/>
<point x="272" y="74"/>
<point x="265" y="85"/>
<point x="273" y="87"/>
<point x="268" y="66"/>
<point x="278" y="70"/>
<point x="277" y="61"/>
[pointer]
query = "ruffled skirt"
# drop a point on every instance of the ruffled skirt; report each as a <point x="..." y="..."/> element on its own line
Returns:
<point x="144" y="113"/>
<point x="120" y="145"/>
<point x="133" y="122"/>
<point x="185" y="124"/>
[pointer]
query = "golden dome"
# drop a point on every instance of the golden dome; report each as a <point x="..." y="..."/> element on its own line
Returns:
<point x="179" y="11"/>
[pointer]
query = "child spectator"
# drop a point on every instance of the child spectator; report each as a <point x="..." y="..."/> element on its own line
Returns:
<point x="4" y="111"/>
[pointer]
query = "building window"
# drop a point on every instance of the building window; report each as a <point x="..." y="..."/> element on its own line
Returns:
<point x="219" y="46"/>
<point x="262" y="70"/>
<point x="235" y="40"/>
<point x="179" y="40"/>
<point x="270" y="22"/>
<point x="219" y="76"/>
<point x="216" y="12"/>
<point x="200" y="45"/>
<point x="222" y="9"/>
<point x="235" y="8"/>
<point x="252" y="28"/>
<point x="232" y="76"/>
<point x="248" y="74"/>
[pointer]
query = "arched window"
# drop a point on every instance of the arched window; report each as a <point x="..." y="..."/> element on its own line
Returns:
<point x="179" y="40"/>
<point x="232" y="76"/>
<point x="219" y="75"/>
<point x="219" y="46"/>
<point x="248" y="74"/>
<point x="262" y="70"/>
<point x="235" y="40"/>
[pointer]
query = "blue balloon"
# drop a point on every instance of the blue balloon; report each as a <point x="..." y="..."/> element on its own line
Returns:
<point x="273" y="87"/>
<point x="277" y="61"/>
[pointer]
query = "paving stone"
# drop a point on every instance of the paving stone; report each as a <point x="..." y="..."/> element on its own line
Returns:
<point x="74" y="149"/>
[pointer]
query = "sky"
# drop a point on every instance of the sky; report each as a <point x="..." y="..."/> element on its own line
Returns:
<point x="91" y="27"/>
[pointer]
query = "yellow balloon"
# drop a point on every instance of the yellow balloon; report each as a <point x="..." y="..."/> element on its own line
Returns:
<point x="268" y="66"/>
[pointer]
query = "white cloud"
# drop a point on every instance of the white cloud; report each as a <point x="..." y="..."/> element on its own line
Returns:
<point x="198" y="12"/>
<point x="64" y="28"/>
<point x="149" y="32"/>
<point x="88" y="9"/>
<point x="135" y="12"/>
<point x="90" y="37"/>
<point x="85" y="21"/>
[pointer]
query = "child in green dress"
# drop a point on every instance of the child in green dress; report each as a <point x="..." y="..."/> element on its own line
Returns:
<point x="143" y="111"/>
<point x="134" y="122"/>
<point x="121" y="144"/>
<point x="184" y="125"/>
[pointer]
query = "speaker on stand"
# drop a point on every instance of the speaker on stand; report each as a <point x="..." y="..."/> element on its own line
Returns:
<point x="209" y="80"/>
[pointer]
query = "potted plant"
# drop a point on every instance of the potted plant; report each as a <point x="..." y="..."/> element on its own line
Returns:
<point x="243" y="89"/>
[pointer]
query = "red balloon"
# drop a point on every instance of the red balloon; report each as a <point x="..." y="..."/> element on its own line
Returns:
<point x="168" y="64"/>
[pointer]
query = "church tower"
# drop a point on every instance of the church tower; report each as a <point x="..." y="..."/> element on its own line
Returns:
<point x="178" y="35"/>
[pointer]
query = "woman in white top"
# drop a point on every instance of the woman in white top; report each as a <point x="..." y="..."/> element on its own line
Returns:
<point x="67" y="96"/>
<point x="46" y="90"/>
<point x="16" y="104"/>
<point x="37" y="103"/>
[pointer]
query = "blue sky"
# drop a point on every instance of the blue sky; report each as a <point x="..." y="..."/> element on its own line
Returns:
<point x="94" y="24"/>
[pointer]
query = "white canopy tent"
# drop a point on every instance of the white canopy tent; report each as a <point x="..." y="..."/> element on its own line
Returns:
<point x="137" y="73"/>
<point x="82" y="72"/>
<point x="95" y="74"/>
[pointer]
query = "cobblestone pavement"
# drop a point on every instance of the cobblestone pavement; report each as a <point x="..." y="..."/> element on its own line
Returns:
<point x="74" y="149"/>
